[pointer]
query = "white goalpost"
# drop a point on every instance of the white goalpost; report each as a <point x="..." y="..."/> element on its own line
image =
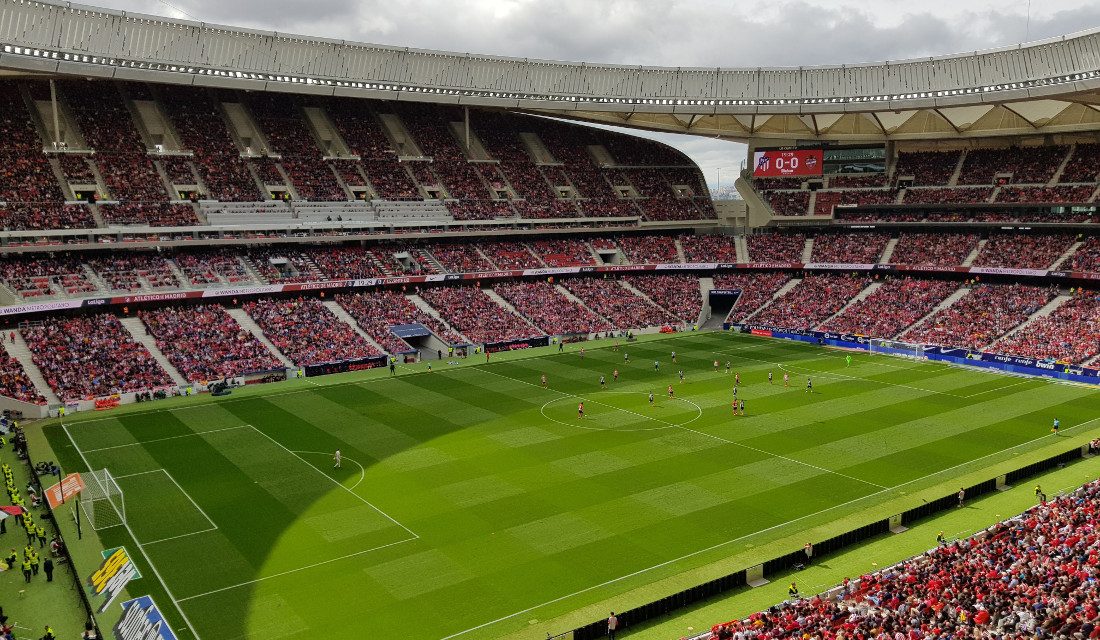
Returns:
<point x="881" y="346"/>
<point x="102" y="500"/>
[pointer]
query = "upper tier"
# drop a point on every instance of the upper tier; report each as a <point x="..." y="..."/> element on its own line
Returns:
<point x="89" y="41"/>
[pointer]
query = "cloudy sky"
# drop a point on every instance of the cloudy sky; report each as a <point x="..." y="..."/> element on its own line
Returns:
<point x="660" y="32"/>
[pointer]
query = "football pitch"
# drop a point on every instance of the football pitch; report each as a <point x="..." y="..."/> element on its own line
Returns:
<point x="472" y="501"/>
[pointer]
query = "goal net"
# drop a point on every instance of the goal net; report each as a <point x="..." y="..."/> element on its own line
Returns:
<point x="102" y="500"/>
<point x="896" y="348"/>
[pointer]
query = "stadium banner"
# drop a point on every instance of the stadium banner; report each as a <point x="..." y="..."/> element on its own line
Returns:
<point x="512" y="345"/>
<point x="116" y="571"/>
<point x="769" y="265"/>
<point x="725" y="292"/>
<point x="69" y="486"/>
<point x="796" y="162"/>
<point x="40" y="307"/>
<point x="344" y="366"/>
<point x="839" y="266"/>
<point x="1004" y="271"/>
<point x="686" y="266"/>
<point x="142" y="620"/>
<point x="1011" y="364"/>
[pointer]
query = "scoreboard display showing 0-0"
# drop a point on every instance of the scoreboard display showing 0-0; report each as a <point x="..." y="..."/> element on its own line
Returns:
<point x="774" y="163"/>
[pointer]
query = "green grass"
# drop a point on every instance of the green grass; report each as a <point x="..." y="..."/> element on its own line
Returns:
<point x="473" y="503"/>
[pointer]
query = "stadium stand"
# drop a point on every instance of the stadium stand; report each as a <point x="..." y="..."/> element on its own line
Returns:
<point x="623" y="309"/>
<point x="1023" y="251"/>
<point x="679" y="295"/>
<point x="981" y="317"/>
<point x="649" y="249"/>
<point x="891" y="308"/>
<point x="708" y="248"/>
<point x="308" y="333"/>
<point x="1070" y="334"/>
<point x="377" y="311"/>
<point x="205" y="343"/>
<point x="550" y="310"/>
<point x="14" y="381"/>
<point x="756" y="290"/>
<point x="91" y="356"/>
<point x="935" y="249"/>
<point x="1028" y="577"/>
<point x="776" y="247"/>
<point x="477" y="316"/>
<point x="1087" y="256"/>
<point x="811" y="301"/>
<point x="861" y="248"/>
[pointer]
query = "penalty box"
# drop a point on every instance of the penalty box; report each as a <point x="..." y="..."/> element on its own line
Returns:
<point x="240" y="466"/>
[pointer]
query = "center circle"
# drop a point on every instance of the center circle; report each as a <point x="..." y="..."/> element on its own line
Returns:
<point x="622" y="411"/>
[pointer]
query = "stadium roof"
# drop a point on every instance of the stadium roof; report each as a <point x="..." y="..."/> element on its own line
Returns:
<point x="1045" y="87"/>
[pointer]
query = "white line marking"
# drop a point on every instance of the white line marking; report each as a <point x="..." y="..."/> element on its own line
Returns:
<point x="141" y="548"/>
<point x="362" y="471"/>
<point x="680" y="426"/>
<point x="1007" y="386"/>
<point x="144" y="442"/>
<point x="337" y="483"/>
<point x="738" y="539"/>
<point x="291" y="571"/>
<point x="182" y="535"/>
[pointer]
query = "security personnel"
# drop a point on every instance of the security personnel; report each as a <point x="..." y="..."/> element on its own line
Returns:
<point x="40" y="531"/>
<point x="11" y="559"/>
<point x="26" y="569"/>
<point x="49" y="634"/>
<point x="34" y="562"/>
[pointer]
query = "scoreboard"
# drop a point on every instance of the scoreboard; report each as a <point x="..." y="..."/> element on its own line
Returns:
<point x="781" y="163"/>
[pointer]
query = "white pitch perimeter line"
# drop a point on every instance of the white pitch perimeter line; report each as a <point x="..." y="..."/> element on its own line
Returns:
<point x="143" y="442"/>
<point x="141" y="547"/>
<point x="679" y="426"/>
<point x="337" y="483"/>
<point x="755" y="533"/>
<point x="362" y="471"/>
<point x="1007" y="386"/>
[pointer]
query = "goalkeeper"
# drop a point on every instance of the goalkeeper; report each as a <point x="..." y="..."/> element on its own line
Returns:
<point x="848" y="360"/>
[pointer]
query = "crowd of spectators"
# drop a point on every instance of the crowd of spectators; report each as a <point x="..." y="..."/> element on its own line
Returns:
<point x="307" y="332"/>
<point x="378" y="311"/>
<point x="948" y="195"/>
<point x="41" y="215"/>
<point x="202" y="130"/>
<point x="338" y="263"/>
<point x="1028" y="165"/>
<point x="1087" y="256"/>
<point x="550" y="310"/>
<point x="649" y="249"/>
<point x="14" y="381"/>
<point x="1023" y="251"/>
<point x="980" y="317"/>
<point x="91" y="356"/>
<point x="562" y="252"/>
<point x="826" y="201"/>
<point x="25" y="172"/>
<point x="510" y="255"/>
<point x="708" y="248"/>
<point x="1071" y="333"/>
<point x="678" y="294"/>
<point x="480" y="209"/>
<point x="212" y="267"/>
<point x="896" y="304"/>
<point x="788" y="203"/>
<point x="132" y="271"/>
<point x="1083" y="166"/>
<point x="757" y="289"/>
<point x="284" y="125"/>
<point x="621" y="307"/>
<point x="205" y="343"/>
<point x="291" y="264"/>
<point x="934" y="249"/>
<point x="156" y="214"/>
<point x="471" y="312"/>
<point x="32" y="277"/>
<point x="461" y="258"/>
<point x="1023" y="214"/>
<point x="810" y="302"/>
<point x="1033" y="576"/>
<point x="178" y="170"/>
<point x="1061" y="194"/>
<point x="857" y="181"/>
<point x="927" y="168"/>
<point x="860" y="248"/>
<point x="776" y="247"/>
<point x="75" y="168"/>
